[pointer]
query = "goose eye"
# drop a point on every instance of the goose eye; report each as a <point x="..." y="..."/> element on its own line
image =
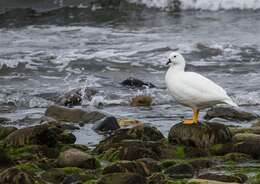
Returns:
<point x="174" y="56"/>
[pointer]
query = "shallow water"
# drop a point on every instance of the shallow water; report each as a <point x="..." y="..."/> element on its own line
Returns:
<point x="56" y="54"/>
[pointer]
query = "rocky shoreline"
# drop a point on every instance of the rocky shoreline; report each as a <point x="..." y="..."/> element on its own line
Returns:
<point x="208" y="153"/>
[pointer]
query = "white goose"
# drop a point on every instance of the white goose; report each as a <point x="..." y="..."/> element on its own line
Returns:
<point x="192" y="89"/>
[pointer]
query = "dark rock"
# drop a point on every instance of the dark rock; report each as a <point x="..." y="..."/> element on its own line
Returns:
<point x="202" y="135"/>
<point x="14" y="175"/>
<point x="106" y="124"/>
<point x="141" y="101"/>
<point x="206" y="51"/>
<point x="74" y="97"/>
<point x="40" y="134"/>
<point x="5" y="160"/>
<point x="7" y="107"/>
<point x="230" y="113"/>
<point x="5" y="131"/>
<point x="122" y="178"/>
<point x="145" y="167"/>
<point x="76" y="158"/>
<point x="73" y="115"/>
<point x="132" y="82"/>
<point x="67" y="138"/>
<point x="72" y="179"/>
<point x="198" y="164"/>
<point x="180" y="171"/>
<point x="224" y="178"/>
<point x="157" y="178"/>
<point x="247" y="143"/>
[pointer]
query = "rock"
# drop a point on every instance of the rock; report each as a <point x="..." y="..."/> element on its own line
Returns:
<point x="143" y="133"/>
<point x="5" y="160"/>
<point x="76" y="158"/>
<point x="129" y="122"/>
<point x="202" y="135"/>
<point x="157" y="178"/>
<point x="106" y="124"/>
<point x="221" y="149"/>
<point x="5" y="131"/>
<point x="141" y="101"/>
<point x="4" y="120"/>
<point x="145" y="167"/>
<point x="74" y="97"/>
<point x="201" y="181"/>
<point x="206" y="51"/>
<point x="67" y="175"/>
<point x="40" y="134"/>
<point x="122" y="178"/>
<point x="198" y="164"/>
<point x="236" y="130"/>
<point x="180" y="171"/>
<point x="230" y="113"/>
<point x="132" y="82"/>
<point x="73" y="115"/>
<point x="247" y="143"/>
<point x="223" y="178"/>
<point x="13" y="175"/>
<point x="256" y="124"/>
<point x="236" y="157"/>
<point x="69" y="126"/>
<point x="67" y="138"/>
<point x="7" y="107"/>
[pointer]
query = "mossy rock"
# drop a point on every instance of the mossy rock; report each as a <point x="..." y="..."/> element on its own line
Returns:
<point x="157" y="178"/>
<point x="221" y="149"/>
<point x="255" y="179"/>
<point x="57" y="175"/>
<point x="5" y="131"/>
<point x="236" y="157"/>
<point x="15" y="175"/>
<point x="29" y="168"/>
<point x="167" y="163"/>
<point x="122" y="178"/>
<point x="203" y="135"/>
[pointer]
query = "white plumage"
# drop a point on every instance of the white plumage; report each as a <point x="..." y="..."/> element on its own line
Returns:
<point x="192" y="89"/>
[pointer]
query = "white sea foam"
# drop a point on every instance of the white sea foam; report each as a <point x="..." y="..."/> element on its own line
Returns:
<point x="212" y="5"/>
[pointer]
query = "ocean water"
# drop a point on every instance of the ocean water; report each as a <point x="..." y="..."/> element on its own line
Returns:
<point x="62" y="45"/>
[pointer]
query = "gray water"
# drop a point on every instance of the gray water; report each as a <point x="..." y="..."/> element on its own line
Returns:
<point x="76" y="48"/>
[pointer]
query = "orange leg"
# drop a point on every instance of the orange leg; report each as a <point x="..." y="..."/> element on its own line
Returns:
<point x="194" y="120"/>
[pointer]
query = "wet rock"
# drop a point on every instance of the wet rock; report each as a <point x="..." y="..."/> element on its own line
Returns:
<point x="202" y="135"/>
<point x="106" y="124"/>
<point x="67" y="138"/>
<point x="75" y="96"/>
<point x="224" y="178"/>
<point x="247" y="143"/>
<point x="208" y="51"/>
<point x="141" y="101"/>
<point x="157" y="178"/>
<point x="180" y="171"/>
<point x="14" y="175"/>
<point x="5" y="160"/>
<point x="198" y="164"/>
<point x="76" y="158"/>
<point x="143" y="133"/>
<point x="7" y="107"/>
<point x="230" y="113"/>
<point x="145" y="167"/>
<point x="40" y="134"/>
<point x="132" y="82"/>
<point x="73" y="115"/>
<point x="5" y="131"/>
<point x="129" y="122"/>
<point x="122" y="178"/>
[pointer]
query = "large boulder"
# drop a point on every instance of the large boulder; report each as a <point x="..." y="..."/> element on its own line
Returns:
<point x="230" y="113"/>
<point x="106" y="124"/>
<point x="73" y="115"/>
<point x="247" y="143"/>
<point x="40" y="134"/>
<point x="122" y="178"/>
<point x="76" y="158"/>
<point x="199" y="135"/>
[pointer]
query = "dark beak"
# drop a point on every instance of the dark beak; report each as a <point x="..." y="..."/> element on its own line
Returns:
<point x="169" y="61"/>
